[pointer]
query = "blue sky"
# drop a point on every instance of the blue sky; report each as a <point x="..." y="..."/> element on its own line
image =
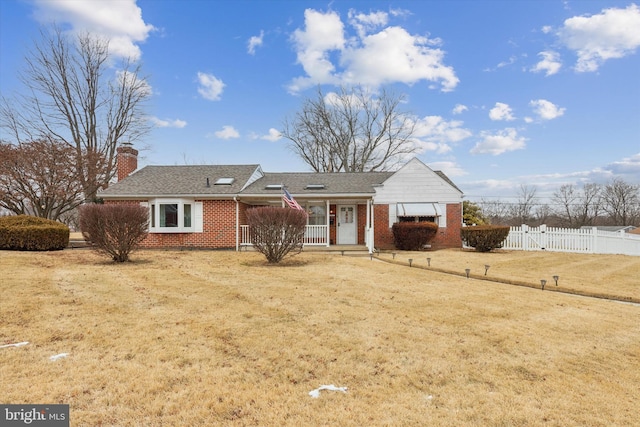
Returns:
<point x="504" y="93"/>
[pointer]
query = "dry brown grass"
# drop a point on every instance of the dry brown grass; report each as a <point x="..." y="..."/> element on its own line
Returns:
<point x="220" y="338"/>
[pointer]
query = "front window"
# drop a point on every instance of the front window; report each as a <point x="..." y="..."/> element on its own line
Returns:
<point x="317" y="214"/>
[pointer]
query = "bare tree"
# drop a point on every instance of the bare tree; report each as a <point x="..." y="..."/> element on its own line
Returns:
<point x="39" y="178"/>
<point x="73" y="96"/>
<point x="577" y="207"/>
<point x="351" y="131"/>
<point x="621" y="201"/>
<point x="523" y="210"/>
<point x="496" y="211"/>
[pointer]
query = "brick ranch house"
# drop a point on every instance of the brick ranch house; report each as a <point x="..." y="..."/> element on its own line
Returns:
<point x="205" y="206"/>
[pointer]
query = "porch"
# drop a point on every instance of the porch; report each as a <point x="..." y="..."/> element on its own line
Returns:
<point x="316" y="236"/>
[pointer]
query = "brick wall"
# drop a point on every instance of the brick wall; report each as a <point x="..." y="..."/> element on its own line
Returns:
<point x="448" y="237"/>
<point x="219" y="228"/>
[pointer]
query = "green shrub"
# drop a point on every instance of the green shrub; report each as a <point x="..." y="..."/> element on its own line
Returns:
<point x="30" y="233"/>
<point x="485" y="238"/>
<point x="413" y="236"/>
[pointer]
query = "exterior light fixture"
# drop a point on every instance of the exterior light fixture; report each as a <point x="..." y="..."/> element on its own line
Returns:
<point x="393" y="254"/>
<point x="467" y="271"/>
<point x="428" y="262"/>
<point x="543" y="283"/>
<point x="556" y="279"/>
<point x="410" y="261"/>
<point x="486" y="268"/>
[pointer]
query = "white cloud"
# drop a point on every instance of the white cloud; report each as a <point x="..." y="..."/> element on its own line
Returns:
<point x="365" y="23"/>
<point x="501" y="111"/>
<point x="550" y="63"/>
<point x="500" y="142"/>
<point x="227" y="132"/>
<point x="119" y="21"/>
<point x="629" y="167"/>
<point x="611" y="34"/>
<point x="210" y="86"/>
<point x="254" y="42"/>
<point x="433" y="133"/>
<point x="459" y="109"/>
<point x="547" y="29"/>
<point x="273" y="135"/>
<point x="177" y="123"/>
<point x="546" y="110"/>
<point x="407" y="58"/>
<point x="322" y="34"/>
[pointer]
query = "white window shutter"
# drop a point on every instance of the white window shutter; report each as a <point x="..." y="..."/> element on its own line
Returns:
<point x="392" y="215"/>
<point x="199" y="217"/>
<point x="146" y="205"/>
<point x="442" y="219"/>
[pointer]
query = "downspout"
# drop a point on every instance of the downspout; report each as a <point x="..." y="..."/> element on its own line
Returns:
<point x="328" y="222"/>
<point x="235" y="199"/>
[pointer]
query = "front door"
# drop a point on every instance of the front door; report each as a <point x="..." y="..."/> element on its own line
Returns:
<point x="347" y="225"/>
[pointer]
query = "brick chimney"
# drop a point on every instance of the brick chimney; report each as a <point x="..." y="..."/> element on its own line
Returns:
<point x="126" y="160"/>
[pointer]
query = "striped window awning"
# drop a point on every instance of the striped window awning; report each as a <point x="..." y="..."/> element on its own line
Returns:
<point x="418" y="209"/>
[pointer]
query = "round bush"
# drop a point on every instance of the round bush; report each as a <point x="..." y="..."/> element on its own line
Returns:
<point x="413" y="236"/>
<point x="30" y="233"/>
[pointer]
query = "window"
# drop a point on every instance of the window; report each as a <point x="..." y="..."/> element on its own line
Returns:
<point x="417" y="219"/>
<point x="317" y="214"/>
<point x="175" y="216"/>
<point x="224" y="181"/>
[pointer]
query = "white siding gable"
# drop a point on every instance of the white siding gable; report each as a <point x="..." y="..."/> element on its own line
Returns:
<point x="415" y="182"/>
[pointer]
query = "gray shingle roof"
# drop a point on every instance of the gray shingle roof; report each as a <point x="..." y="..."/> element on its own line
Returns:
<point x="181" y="180"/>
<point x="176" y="181"/>
<point x="334" y="183"/>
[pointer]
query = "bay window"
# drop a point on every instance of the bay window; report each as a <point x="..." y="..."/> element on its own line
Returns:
<point x="175" y="216"/>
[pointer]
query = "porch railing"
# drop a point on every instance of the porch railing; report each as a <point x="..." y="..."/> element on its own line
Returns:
<point x="315" y="235"/>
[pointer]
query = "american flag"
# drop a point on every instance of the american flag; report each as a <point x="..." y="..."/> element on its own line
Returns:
<point x="289" y="200"/>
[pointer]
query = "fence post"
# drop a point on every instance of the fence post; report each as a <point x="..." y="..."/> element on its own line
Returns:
<point x="543" y="236"/>
<point x="525" y="237"/>
<point x="594" y="240"/>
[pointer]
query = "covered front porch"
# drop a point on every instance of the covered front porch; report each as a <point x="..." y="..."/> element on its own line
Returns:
<point x="331" y="223"/>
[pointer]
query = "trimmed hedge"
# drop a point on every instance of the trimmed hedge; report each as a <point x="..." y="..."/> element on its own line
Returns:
<point x="413" y="236"/>
<point x="485" y="238"/>
<point x="30" y="233"/>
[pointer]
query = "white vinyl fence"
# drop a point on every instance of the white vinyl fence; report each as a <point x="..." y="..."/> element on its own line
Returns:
<point x="587" y="240"/>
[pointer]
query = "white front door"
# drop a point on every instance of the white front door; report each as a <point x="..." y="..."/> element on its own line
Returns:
<point x="347" y="225"/>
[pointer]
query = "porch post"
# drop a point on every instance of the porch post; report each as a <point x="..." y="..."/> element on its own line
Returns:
<point x="328" y="220"/>
<point x="369" y="229"/>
